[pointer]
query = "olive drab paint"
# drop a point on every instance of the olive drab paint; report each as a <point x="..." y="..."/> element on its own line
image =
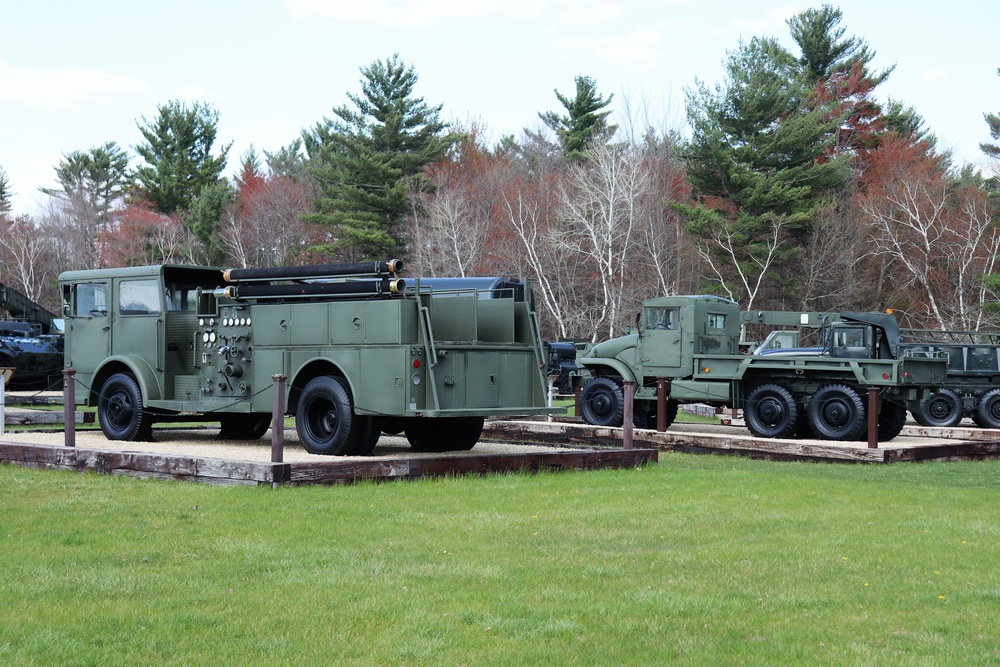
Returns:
<point x="364" y="351"/>
<point x="691" y="349"/>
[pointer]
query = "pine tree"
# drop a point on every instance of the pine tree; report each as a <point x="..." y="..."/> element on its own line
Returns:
<point x="92" y="181"/>
<point x="5" y="193"/>
<point x="178" y="155"/>
<point x="585" y="121"/>
<point x="369" y="157"/>
<point x="993" y="121"/>
<point x="758" y="162"/>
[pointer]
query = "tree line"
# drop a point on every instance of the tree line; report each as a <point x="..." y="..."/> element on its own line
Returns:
<point x="795" y="189"/>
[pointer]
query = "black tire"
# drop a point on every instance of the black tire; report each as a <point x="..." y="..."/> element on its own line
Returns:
<point x="988" y="409"/>
<point x="803" y="431"/>
<point x="368" y="436"/>
<point x="771" y="412"/>
<point x="325" y="419"/>
<point x="891" y="419"/>
<point x="648" y="419"/>
<point x="602" y="402"/>
<point x="836" y="412"/>
<point x="445" y="434"/>
<point x="917" y="414"/>
<point x="244" y="426"/>
<point x="120" y="410"/>
<point x="942" y="410"/>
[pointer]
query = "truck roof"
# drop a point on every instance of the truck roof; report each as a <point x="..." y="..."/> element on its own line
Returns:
<point x="134" y="272"/>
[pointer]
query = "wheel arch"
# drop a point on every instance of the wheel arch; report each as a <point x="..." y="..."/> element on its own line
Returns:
<point x="313" y="369"/>
<point x="144" y="375"/>
<point x="612" y="368"/>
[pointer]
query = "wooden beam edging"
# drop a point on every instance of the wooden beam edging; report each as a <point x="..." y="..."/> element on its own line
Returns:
<point x="985" y="444"/>
<point x="144" y="464"/>
<point x="341" y="472"/>
<point x="227" y="472"/>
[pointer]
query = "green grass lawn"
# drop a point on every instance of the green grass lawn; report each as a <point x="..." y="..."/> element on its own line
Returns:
<point x="698" y="560"/>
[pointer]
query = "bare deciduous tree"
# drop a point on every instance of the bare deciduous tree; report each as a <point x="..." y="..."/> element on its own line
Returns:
<point x="24" y="251"/>
<point x="601" y="207"/>
<point x="942" y="235"/>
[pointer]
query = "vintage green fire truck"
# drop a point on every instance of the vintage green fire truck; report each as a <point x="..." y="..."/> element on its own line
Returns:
<point x="363" y="351"/>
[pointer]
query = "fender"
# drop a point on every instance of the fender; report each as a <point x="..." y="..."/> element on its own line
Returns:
<point x="143" y="372"/>
<point x="620" y="368"/>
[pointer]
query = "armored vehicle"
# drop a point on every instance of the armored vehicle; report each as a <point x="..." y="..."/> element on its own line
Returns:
<point x="363" y="352"/>
<point x="31" y="342"/>
<point x="693" y="347"/>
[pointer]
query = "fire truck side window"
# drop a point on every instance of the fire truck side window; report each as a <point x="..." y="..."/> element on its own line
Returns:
<point x="139" y="297"/>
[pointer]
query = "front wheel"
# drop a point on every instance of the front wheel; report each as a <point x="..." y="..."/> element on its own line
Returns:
<point x="602" y="402"/>
<point x="325" y="419"/>
<point x="836" y="412"/>
<point x="120" y="410"/>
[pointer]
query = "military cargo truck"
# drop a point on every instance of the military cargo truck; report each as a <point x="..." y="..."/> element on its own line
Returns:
<point x="972" y="388"/>
<point x="693" y="346"/>
<point x="363" y="352"/>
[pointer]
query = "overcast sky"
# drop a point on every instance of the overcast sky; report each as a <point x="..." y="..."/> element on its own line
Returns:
<point x="74" y="75"/>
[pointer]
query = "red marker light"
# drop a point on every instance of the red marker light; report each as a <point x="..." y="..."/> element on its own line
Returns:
<point x="416" y="363"/>
<point x="885" y="376"/>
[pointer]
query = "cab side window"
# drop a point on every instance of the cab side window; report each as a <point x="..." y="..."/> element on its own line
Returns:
<point x="138" y="297"/>
<point x="89" y="300"/>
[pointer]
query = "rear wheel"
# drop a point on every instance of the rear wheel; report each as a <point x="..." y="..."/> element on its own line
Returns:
<point x="988" y="409"/>
<point x="244" y="426"/>
<point x="325" y="418"/>
<point x="371" y="430"/>
<point x="602" y="402"/>
<point x="647" y="419"/>
<point x="120" y="410"/>
<point x="445" y="434"/>
<point x="771" y="412"/>
<point x="942" y="410"/>
<point x="891" y="419"/>
<point x="836" y="412"/>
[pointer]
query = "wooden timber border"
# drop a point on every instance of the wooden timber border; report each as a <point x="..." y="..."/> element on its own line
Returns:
<point x="942" y="444"/>
<point x="230" y="472"/>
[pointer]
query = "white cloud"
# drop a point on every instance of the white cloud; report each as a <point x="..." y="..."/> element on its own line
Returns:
<point x="935" y="74"/>
<point x="640" y="50"/>
<point x="589" y="12"/>
<point x="65" y="89"/>
<point x="411" y="12"/>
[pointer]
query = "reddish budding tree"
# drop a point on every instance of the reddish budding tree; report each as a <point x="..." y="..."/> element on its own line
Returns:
<point x="939" y="234"/>
<point x="138" y="235"/>
<point x="263" y="228"/>
<point x="452" y="225"/>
